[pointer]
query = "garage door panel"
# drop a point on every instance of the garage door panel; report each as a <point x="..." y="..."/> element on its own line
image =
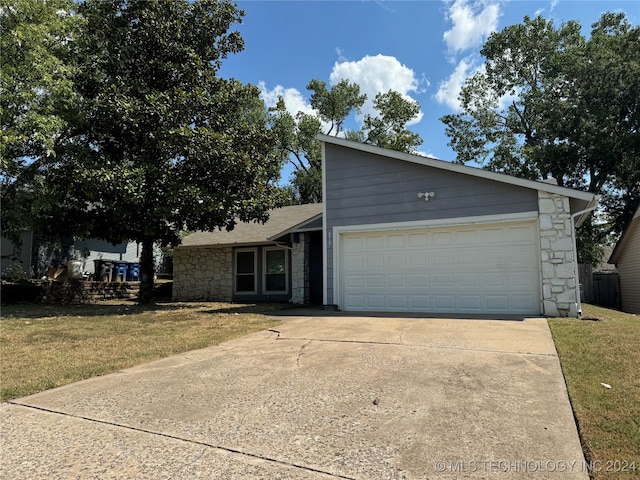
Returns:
<point x="420" y="303"/>
<point x="397" y="280"/>
<point x="520" y="233"/>
<point x="481" y="269"/>
<point x="467" y="257"/>
<point x="444" y="303"/>
<point x="374" y="281"/>
<point x="418" y="239"/>
<point x="466" y="237"/>
<point x="442" y="258"/>
<point x="374" y="242"/>
<point x="468" y="280"/>
<point x="417" y="260"/>
<point x="494" y="280"/>
<point x="522" y="281"/>
<point x="395" y="241"/>
<point x="395" y="260"/>
<point x="375" y="302"/>
<point x="442" y="239"/>
<point x="492" y="235"/>
<point x="397" y="302"/>
<point x="442" y="280"/>
<point x="497" y="303"/>
<point x="418" y="280"/>
<point x="470" y="303"/>
<point x="354" y="281"/>
<point x="354" y="261"/>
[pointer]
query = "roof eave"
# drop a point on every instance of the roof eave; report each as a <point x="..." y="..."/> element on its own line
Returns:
<point x="296" y="228"/>
<point x="624" y="238"/>
<point x="266" y="241"/>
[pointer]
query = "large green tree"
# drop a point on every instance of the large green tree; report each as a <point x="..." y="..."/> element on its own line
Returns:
<point x="37" y="99"/>
<point x="296" y="135"/>
<point x="550" y="103"/>
<point x="164" y="144"/>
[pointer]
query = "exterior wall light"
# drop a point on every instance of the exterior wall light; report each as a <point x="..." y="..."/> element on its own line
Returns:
<point x="426" y="195"/>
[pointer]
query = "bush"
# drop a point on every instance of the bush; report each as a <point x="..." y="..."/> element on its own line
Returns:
<point x="65" y="293"/>
<point x="15" y="273"/>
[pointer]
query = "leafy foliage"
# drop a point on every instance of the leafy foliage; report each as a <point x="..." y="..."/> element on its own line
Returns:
<point x="37" y="99"/>
<point x="550" y="103"/>
<point x="160" y="144"/>
<point x="297" y="135"/>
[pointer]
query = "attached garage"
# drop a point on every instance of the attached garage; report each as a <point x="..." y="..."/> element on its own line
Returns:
<point x="492" y="268"/>
<point x="407" y="233"/>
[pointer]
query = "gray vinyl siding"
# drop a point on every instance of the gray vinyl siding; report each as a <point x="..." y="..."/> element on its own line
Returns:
<point x="102" y="250"/>
<point x="364" y="188"/>
<point x="22" y="256"/>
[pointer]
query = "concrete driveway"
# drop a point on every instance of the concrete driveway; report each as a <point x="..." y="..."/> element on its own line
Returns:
<point x="328" y="396"/>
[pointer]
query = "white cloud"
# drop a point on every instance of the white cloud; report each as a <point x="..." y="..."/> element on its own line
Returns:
<point x="294" y="100"/>
<point x="449" y="89"/>
<point x="472" y="21"/>
<point x="376" y="74"/>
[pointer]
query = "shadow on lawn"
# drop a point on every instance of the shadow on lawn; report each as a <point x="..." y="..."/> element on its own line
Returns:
<point x="130" y="307"/>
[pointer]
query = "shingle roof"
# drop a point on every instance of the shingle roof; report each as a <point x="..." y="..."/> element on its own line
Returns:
<point x="281" y="220"/>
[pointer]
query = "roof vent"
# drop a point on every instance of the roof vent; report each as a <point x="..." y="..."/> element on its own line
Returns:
<point x="550" y="181"/>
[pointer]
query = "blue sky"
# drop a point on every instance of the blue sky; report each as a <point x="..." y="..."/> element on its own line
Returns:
<point x="423" y="49"/>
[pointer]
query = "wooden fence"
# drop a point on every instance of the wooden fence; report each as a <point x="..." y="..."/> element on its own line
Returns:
<point x="599" y="288"/>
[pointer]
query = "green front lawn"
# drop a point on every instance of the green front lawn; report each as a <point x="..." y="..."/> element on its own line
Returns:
<point x="604" y="348"/>
<point x="46" y="346"/>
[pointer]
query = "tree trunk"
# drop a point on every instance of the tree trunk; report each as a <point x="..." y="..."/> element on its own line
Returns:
<point x="145" y="296"/>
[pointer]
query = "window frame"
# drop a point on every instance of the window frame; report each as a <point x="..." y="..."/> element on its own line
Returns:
<point x="264" y="271"/>
<point x="255" y="271"/>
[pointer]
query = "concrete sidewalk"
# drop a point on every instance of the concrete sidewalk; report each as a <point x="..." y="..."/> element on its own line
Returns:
<point x="320" y="397"/>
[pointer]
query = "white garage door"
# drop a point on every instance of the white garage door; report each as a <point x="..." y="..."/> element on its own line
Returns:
<point x="472" y="269"/>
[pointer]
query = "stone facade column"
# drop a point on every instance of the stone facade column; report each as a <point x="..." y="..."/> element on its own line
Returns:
<point x="300" y="270"/>
<point x="203" y="273"/>
<point x="557" y="256"/>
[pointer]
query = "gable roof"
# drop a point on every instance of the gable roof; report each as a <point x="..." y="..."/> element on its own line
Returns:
<point x="583" y="199"/>
<point x="281" y="221"/>
<point x="622" y="242"/>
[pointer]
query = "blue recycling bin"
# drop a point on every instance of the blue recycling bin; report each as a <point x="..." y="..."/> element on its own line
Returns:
<point x="133" y="274"/>
<point x="120" y="270"/>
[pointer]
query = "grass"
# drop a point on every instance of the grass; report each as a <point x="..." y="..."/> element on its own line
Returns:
<point x="48" y="346"/>
<point x="603" y="347"/>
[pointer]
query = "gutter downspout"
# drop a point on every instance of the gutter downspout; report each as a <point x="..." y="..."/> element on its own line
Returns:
<point x="592" y="206"/>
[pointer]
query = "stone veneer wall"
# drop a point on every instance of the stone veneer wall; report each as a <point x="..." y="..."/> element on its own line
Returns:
<point x="557" y="256"/>
<point x="300" y="270"/>
<point x="203" y="273"/>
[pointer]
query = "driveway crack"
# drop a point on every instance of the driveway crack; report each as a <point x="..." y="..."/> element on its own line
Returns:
<point x="186" y="440"/>
<point x="301" y="353"/>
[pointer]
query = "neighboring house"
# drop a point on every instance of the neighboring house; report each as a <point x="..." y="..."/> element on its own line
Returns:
<point x="22" y="256"/>
<point x="402" y="233"/>
<point x="626" y="256"/>
<point x="35" y="258"/>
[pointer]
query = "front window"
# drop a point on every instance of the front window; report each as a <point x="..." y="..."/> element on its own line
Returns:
<point x="275" y="270"/>
<point x="245" y="271"/>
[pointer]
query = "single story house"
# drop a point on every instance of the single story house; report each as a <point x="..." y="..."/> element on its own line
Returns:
<point x="401" y="233"/>
<point x="33" y="257"/>
<point x="626" y="256"/>
<point x="280" y="260"/>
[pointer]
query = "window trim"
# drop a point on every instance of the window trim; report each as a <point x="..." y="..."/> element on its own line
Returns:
<point x="264" y="271"/>
<point x="255" y="271"/>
